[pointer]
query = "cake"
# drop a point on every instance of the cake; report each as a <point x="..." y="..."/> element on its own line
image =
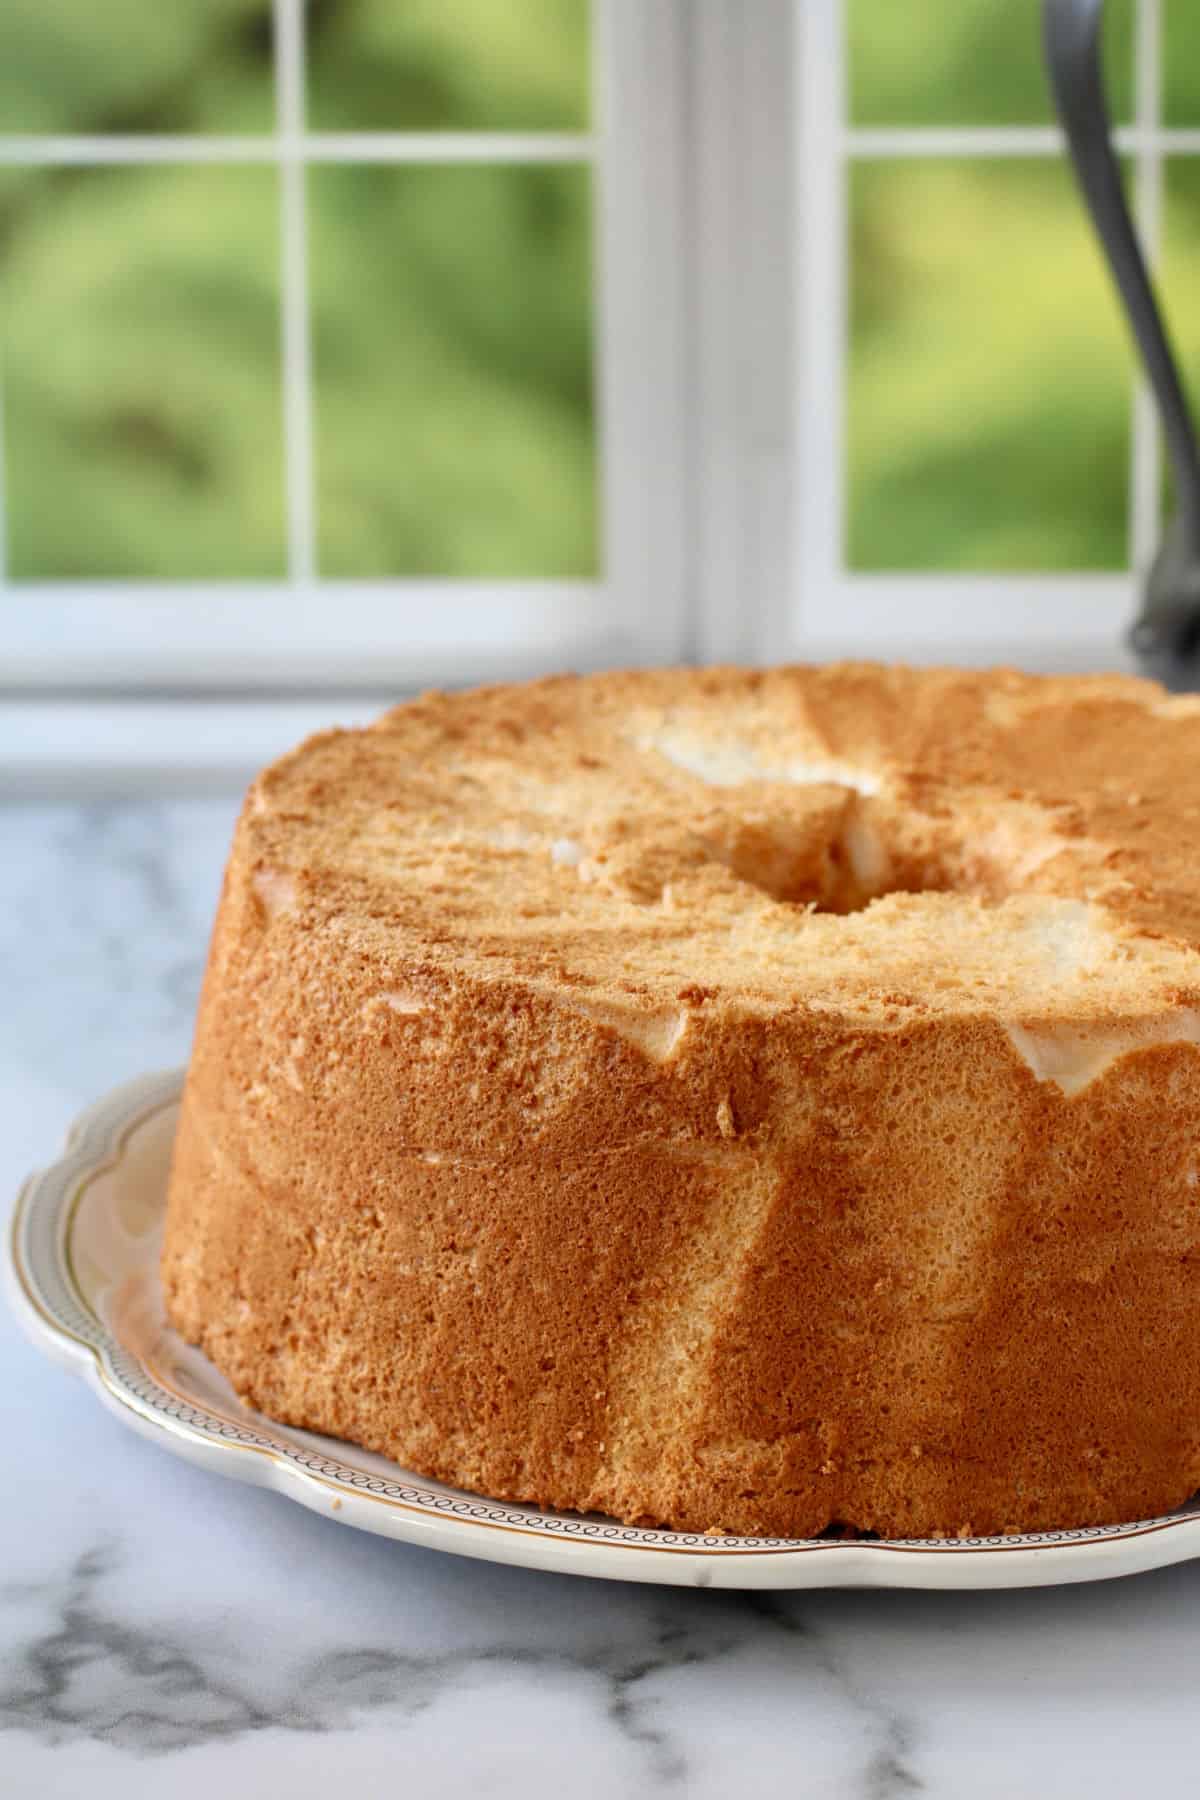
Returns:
<point x="754" y="1101"/>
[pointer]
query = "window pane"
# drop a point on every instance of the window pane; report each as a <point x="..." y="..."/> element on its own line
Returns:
<point x="1179" y="270"/>
<point x="452" y="351"/>
<point x="142" y="392"/>
<point x="448" y="65"/>
<point x="126" y="66"/>
<point x="965" y="62"/>
<point x="989" y="386"/>
<point x="1181" y="62"/>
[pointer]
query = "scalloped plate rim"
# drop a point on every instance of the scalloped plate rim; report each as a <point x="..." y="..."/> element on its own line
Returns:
<point x="414" y="1510"/>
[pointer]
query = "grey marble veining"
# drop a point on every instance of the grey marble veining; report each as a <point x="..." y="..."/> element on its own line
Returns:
<point x="163" y="1631"/>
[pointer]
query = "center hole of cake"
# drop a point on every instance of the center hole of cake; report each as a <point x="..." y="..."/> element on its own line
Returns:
<point x="839" y="855"/>
<point x="830" y="855"/>
<point x="836" y="851"/>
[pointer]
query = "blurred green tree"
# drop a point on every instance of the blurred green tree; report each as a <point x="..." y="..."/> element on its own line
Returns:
<point x="988" y="381"/>
<point x="451" y="306"/>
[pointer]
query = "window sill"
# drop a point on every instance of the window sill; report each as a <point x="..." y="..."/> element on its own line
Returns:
<point x="78" y="749"/>
<point x="63" y="747"/>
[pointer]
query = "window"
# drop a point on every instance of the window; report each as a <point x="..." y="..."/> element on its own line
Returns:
<point x="979" y="470"/>
<point x="342" y="343"/>
<point x="566" y="334"/>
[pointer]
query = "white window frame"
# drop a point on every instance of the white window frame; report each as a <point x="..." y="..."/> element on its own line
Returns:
<point x="742" y="373"/>
<point x="306" y="632"/>
<point x="720" y="152"/>
<point x="1066" y="620"/>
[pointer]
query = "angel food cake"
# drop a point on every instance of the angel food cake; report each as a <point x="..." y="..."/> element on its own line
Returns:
<point x="726" y="1099"/>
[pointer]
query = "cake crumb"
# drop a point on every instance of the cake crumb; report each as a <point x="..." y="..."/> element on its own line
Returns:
<point x="336" y="1504"/>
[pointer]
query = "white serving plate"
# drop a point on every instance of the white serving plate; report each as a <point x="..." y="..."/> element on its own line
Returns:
<point x="83" y="1271"/>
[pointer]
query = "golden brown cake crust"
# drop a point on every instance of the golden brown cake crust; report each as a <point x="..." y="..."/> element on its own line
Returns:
<point x="736" y="1098"/>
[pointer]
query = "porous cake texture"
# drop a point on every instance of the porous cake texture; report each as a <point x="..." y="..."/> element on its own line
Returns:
<point x="724" y="1099"/>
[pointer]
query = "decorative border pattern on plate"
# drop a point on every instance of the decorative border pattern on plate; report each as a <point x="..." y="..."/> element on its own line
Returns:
<point x="41" y="1261"/>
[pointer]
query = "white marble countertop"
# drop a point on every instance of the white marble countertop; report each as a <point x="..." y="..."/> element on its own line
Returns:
<point x="166" y="1632"/>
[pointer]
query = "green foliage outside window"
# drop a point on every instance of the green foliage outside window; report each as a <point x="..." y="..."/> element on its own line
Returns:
<point x="988" y="382"/>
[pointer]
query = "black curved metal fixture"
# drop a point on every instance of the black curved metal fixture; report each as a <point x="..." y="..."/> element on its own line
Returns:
<point x="1166" y="633"/>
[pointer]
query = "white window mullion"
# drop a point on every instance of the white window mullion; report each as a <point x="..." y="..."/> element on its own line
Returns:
<point x="895" y="142"/>
<point x="821" y="287"/>
<point x="724" y="623"/>
<point x="900" y="141"/>
<point x="312" y="146"/>
<point x="294" y="292"/>
<point x="771" y="344"/>
<point x="741" y="423"/>
<point x="640" y="302"/>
